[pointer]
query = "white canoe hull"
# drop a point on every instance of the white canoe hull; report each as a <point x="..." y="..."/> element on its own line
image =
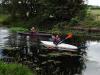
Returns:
<point x="61" y="46"/>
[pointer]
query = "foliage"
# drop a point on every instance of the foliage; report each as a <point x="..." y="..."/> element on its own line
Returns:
<point x="3" y="17"/>
<point x="58" y="27"/>
<point x="14" y="69"/>
<point x="74" y="21"/>
<point x="83" y="12"/>
<point x="44" y="11"/>
<point x="96" y="24"/>
<point x="95" y="11"/>
<point x="55" y="30"/>
<point x="92" y="19"/>
<point x="93" y="7"/>
<point x="18" y="29"/>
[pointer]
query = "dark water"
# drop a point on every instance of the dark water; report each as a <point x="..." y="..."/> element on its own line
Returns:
<point x="88" y="63"/>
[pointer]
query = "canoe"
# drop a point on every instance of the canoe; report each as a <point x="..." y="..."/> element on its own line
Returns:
<point x="62" y="46"/>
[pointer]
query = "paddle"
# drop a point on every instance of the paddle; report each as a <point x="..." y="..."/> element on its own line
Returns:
<point x="67" y="37"/>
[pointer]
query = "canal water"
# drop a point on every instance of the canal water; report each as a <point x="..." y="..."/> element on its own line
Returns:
<point x="4" y="33"/>
<point x="88" y="64"/>
<point x="93" y="58"/>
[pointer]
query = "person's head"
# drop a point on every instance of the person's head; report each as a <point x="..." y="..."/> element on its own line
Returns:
<point x="57" y="35"/>
<point x="33" y="29"/>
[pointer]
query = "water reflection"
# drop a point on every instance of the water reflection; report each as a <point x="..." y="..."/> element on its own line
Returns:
<point x="3" y="39"/>
<point x="62" y="66"/>
<point x="3" y="34"/>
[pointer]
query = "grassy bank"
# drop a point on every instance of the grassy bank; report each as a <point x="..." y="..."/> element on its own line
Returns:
<point x="14" y="69"/>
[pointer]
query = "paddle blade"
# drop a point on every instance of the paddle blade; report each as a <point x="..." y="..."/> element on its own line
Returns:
<point x="69" y="36"/>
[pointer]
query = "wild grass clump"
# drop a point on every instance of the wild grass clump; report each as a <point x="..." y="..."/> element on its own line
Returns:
<point x="14" y="69"/>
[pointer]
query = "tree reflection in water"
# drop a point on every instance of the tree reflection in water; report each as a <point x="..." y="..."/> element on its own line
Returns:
<point x="64" y="65"/>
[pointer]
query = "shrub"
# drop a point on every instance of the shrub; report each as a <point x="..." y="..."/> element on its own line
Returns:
<point x="96" y="24"/>
<point x="74" y="21"/>
<point x="56" y="30"/>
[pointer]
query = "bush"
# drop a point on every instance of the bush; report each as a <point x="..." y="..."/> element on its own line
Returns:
<point x="90" y="21"/>
<point x="74" y="21"/>
<point x="56" y="30"/>
<point x="14" y="69"/>
<point x="96" y="23"/>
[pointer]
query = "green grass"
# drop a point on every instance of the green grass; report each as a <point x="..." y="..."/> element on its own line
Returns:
<point x="95" y="11"/>
<point x="14" y="69"/>
<point x="18" y="29"/>
<point x="3" y="17"/>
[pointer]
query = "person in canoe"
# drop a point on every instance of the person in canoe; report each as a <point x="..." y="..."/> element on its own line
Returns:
<point x="56" y="39"/>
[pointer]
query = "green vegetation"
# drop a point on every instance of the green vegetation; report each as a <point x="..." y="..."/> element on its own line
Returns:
<point x="49" y="15"/>
<point x="92" y="19"/>
<point x="3" y="17"/>
<point x="14" y="69"/>
<point x="18" y="29"/>
<point x="42" y="13"/>
<point x="95" y="11"/>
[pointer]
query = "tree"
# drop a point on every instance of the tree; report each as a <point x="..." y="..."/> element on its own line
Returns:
<point x="67" y="9"/>
<point x="59" y="10"/>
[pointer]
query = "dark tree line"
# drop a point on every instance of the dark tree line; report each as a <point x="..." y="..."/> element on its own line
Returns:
<point x="60" y="10"/>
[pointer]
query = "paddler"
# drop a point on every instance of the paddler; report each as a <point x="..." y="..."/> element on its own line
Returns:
<point x="55" y="39"/>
